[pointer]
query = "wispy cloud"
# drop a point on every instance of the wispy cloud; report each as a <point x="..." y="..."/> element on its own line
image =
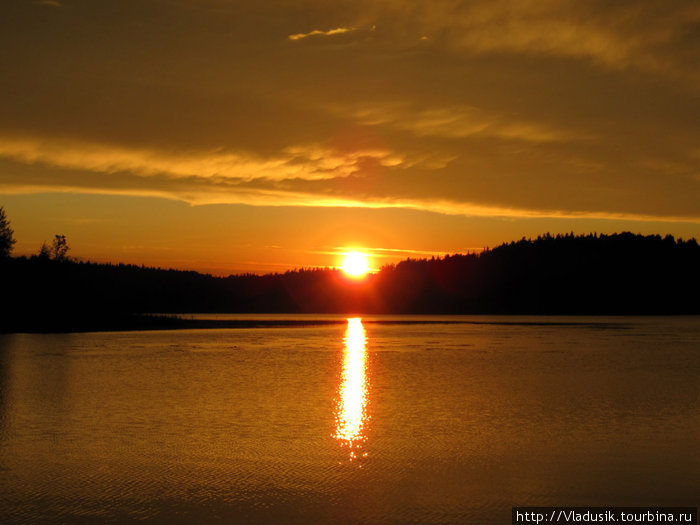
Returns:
<point x="318" y="32"/>
<point x="207" y="190"/>
<point x="299" y="162"/>
<point x="459" y="121"/>
<point x="642" y="34"/>
<point x="392" y="252"/>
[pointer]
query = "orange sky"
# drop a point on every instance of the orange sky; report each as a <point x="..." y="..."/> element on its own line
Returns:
<point x="231" y="136"/>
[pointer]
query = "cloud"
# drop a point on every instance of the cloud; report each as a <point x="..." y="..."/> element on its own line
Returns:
<point x="50" y="3"/>
<point x="317" y="32"/>
<point x="385" y="252"/>
<point x="299" y="162"/>
<point x="644" y="34"/>
<point x="282" y="198"/>
<point x="520" y="108"/>
<point x="459" y="121"/>
<point x="200" y="190"/>
<point x="481" y="180"/>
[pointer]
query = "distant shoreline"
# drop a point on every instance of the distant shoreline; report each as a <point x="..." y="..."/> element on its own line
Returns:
<point x="155" y="322"/>
<point x="619" y="274"/>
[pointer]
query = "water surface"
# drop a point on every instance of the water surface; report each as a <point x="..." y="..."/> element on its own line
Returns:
<point x="355" y="422"/>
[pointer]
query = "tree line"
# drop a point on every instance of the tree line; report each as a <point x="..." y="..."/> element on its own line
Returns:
<point x="621" y="273"/>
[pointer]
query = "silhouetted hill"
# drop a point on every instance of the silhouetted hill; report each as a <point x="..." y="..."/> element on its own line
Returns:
<point x="564" y="274"/>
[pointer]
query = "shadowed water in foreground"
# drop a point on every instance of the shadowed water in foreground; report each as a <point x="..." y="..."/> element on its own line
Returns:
<point x="349" y="421"/>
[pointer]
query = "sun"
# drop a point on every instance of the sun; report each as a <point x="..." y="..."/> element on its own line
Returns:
<point x="356" y="264"/>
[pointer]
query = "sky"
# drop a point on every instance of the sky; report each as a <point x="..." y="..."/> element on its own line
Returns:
<point x="235" y="136"/>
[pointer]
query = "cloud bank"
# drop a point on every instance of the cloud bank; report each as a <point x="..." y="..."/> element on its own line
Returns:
<point x="513" y="109"/>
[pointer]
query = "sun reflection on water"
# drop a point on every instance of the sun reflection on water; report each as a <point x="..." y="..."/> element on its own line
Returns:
<point x="351" y="410"/>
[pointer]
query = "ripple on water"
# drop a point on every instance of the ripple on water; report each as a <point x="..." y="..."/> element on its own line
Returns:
<point x="449" y="423"/>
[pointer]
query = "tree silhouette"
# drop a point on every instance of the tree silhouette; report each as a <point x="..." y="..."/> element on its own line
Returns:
<point x="44" y="251"/>
<point x="56" y="251"/>
<point x="7" y="239"/>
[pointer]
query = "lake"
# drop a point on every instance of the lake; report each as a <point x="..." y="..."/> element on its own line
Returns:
<point x="372" y="420"/>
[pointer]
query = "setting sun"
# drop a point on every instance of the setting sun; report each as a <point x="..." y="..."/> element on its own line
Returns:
<point x="355" y="264"/>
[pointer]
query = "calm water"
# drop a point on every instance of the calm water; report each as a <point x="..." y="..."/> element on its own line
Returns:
<point x="358" y="422"/>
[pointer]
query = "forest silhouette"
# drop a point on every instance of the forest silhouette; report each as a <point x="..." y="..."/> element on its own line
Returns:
<point x="616" y="274"/>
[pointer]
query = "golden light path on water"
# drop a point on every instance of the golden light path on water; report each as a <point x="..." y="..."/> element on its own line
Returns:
<point x="351" y="416"/>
